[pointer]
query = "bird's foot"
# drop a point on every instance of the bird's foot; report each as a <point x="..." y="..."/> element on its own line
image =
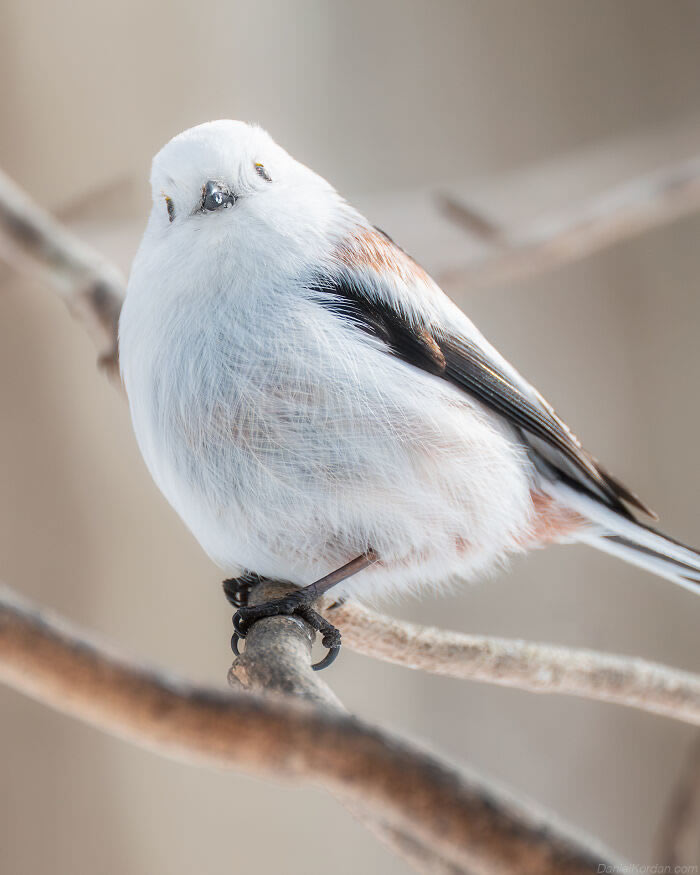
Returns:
<point x="294" y="604"/>
<point x="237" y="589"/>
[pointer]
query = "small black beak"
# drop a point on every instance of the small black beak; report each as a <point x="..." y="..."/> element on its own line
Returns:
<point x="212" y="190"/>
<point x="217" y="196"/>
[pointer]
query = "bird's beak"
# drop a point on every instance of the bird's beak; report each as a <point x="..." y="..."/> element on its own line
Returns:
<point x="212" y="189"/>
<point x="216" y="195"/>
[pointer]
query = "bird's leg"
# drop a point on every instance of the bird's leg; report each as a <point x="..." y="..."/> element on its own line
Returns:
<point x="294" y="603"/>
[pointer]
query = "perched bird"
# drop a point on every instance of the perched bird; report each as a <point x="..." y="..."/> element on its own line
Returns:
<point x="317" y="410"/>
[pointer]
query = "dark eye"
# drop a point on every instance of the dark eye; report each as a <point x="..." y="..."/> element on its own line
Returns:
<point x="170" y="207"/>
<point x="215" y="196"/>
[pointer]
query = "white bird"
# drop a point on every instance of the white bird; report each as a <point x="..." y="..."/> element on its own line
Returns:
<point x="316" y="409"/>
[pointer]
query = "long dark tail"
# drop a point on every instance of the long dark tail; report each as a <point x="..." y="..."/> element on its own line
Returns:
<point x="633" y="541"/>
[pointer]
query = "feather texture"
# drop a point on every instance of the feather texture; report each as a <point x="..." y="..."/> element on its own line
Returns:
<point x="302" y="391"/>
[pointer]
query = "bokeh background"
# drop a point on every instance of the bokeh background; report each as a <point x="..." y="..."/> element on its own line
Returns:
<point x="382" y="97"/>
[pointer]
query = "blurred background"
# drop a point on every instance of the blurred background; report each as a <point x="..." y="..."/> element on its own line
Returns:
<point x="514" y="103"/>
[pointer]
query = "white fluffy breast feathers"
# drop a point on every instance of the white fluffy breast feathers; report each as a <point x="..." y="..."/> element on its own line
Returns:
<point x="204" y="171"/>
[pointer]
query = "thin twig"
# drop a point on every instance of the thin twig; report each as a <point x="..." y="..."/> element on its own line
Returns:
<point x="475" y="223"/>
<point x="540" y="668"/>
<point x="404" y="787"/>
<point x="679" y="835"/>
<point x="618" y="214"/>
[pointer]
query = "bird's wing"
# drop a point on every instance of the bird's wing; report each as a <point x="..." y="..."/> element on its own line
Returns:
<point x="374" y="285"/>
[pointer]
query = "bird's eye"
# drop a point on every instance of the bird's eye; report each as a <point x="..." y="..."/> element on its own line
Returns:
<point x="215" y="196"/>
<point x="261" y="171"/>
<point x="170" y="207"/>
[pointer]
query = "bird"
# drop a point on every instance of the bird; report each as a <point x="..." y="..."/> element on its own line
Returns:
<point x="317" y="410"/>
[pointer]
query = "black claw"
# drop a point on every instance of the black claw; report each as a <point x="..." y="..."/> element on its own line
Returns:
<point x="328" y="659"/>
<point x="296" y="603"/>
<point x="331" y="638"/>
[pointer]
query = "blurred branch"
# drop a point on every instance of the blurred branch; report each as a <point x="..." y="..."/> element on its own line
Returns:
<point x="540" y="668"/>
<point x="33" y="241"/>
<point x="615" y="215"/>
<point x="680" y="829"/>
<point x="404" y="788"/>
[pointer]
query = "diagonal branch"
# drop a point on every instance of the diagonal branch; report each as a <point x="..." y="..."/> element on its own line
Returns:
<point x="33" y="241"/>
<point x="618" y="214"/>
<point x="405" y="788"/>
<point x="540" y="668"/>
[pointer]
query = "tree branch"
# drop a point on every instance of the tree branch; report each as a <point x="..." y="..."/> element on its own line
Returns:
<point x="539" y="668"/>
<point x="33" y="241"/>
<point x="404" y="788"/>
<point x="550" y="241"/>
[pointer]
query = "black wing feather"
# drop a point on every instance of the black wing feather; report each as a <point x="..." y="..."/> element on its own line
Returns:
<point x="462" y="363"/>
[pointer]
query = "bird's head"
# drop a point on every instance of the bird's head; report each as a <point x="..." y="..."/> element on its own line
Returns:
<point x="229" y="182"/>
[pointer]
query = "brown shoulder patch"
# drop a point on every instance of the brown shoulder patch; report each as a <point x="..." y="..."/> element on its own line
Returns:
<point x="370" y="247"/>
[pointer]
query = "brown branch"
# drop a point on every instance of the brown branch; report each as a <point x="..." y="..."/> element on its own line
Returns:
<point x="475" y="223"/>
<point x="679" y="834"/>
<point x="402" y="786"/>
<point x="618" y="214"/>
<point x="406" y="845"/>
<point x="539" y="668"/>
<point x="33" y="241"/>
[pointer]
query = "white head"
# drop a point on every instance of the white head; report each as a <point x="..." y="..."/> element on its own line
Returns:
<point x="228" y="181"/>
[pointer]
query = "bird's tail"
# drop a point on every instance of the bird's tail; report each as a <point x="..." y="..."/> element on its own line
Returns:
<point x="632" y="541"/>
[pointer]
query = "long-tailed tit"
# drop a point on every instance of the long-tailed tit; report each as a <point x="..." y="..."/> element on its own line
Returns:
<point x="313" y="405"/>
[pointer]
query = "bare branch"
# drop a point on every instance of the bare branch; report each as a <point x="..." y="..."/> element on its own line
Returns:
<point x="419" y="855"/>
<point x="679" y="834"/>
<point x="469" y="219"/>
<point x="404" y="787"/>
<point x="540" y="668"/>
<point x="618" y="214"/>
<point x="93" y="288"/>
